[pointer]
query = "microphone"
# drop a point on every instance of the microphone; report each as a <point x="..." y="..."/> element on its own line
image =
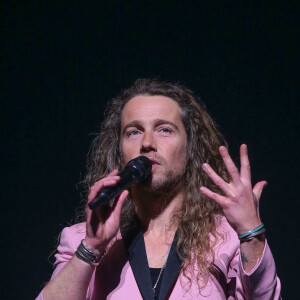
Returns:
<point x="136" y="170"/>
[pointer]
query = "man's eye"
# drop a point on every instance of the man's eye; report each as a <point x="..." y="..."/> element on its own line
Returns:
<point x="132" y="132"/>
<point x="165" y="130"/>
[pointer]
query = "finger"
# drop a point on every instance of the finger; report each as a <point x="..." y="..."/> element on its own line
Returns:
<point x="105" y="180"/>
<point x="106" y="210"/>
<point x="214" y="196"/>
<point x="245" y="164"/>
<point x="258" y="188"/>
<point x="114" y="172"/>
<point x="230" y="166"/>
<point x="117" y="207"/>
<point x="219" y="182"/>
<point x="108" y="181"/>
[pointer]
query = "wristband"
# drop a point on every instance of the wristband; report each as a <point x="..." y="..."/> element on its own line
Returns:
<point x="252" y="233"/>
<point x="88" y="255"/>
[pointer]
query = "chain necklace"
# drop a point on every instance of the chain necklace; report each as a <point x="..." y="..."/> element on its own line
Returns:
<point x="160" y="273"/>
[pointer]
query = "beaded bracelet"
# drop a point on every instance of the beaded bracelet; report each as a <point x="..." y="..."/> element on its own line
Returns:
<point x="88" y="255"/>
<point x="252" y="233"/>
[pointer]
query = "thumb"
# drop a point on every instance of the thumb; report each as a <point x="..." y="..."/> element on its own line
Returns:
<point x="258" y="188"/>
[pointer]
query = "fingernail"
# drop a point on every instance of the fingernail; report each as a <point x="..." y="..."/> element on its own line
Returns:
<point x="205" y="167"/>
<point x="222" y="150"/>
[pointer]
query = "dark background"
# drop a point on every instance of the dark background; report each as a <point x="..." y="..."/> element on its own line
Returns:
<point x="61" y="62"/>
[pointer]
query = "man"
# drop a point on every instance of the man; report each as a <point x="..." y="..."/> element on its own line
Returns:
<point x="191" y="230"/>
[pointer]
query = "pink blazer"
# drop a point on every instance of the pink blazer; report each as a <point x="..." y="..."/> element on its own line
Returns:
<point x="124" y="274"/>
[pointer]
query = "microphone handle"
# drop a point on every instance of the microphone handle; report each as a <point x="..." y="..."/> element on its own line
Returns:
<point x="127" y="178"/>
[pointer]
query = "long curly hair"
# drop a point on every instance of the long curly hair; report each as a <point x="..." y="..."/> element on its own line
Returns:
<point x="197" y="220"/>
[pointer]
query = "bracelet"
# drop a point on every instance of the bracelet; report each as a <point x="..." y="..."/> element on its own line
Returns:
<point x="88" y="255"/>
<point x="252" y="233"/>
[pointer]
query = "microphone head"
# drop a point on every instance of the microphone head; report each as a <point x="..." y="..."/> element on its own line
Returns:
<point x="142" y="166"/>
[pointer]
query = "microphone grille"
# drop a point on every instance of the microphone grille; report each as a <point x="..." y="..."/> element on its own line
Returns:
<point x="142" y="164"/>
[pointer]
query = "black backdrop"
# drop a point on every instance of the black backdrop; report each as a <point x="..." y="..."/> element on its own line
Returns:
<point x="62" y="61"/>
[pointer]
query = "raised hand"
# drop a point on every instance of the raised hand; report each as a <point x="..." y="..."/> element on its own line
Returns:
<point x="240" y="202"/>
<point x="102" y="224"/>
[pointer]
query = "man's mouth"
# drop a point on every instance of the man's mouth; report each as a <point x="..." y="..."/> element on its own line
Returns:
<point x="154" y="162"/>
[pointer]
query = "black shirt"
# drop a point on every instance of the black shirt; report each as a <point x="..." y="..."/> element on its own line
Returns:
<point x="154" y="272"/>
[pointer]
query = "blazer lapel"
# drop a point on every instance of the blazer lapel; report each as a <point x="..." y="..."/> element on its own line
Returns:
<point x="135" y="245"/>
<point x="171" y="271"/>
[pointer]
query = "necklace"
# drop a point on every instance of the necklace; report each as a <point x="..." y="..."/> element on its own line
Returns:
<point x="160" y="273"/>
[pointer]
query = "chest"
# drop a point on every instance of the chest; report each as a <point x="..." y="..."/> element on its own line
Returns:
<point x="157" y="253"/>
<point x="125" y="274"/>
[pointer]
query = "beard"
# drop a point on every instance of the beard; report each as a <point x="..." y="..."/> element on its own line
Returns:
<point x="169" y="181"/>
<point x="170" y="184"/>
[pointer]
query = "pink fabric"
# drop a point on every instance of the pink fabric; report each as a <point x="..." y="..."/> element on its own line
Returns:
<point x="115" y="279"/>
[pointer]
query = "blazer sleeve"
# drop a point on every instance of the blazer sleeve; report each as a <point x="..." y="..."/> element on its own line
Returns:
<point x="69" y="241"/>
<point x="260" y="283"/>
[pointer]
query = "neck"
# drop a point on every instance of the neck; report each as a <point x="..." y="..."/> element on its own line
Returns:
<point x="155" y="213"/>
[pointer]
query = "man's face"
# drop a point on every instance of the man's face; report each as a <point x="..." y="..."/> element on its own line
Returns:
<point x="152" y="126"/>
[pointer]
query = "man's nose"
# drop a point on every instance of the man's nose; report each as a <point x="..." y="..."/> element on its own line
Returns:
<point x="148" y="142"/>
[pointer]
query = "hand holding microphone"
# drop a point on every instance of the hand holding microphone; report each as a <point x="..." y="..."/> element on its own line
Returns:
<point x="136" y="170"/>
<point x="102" y="225"/>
